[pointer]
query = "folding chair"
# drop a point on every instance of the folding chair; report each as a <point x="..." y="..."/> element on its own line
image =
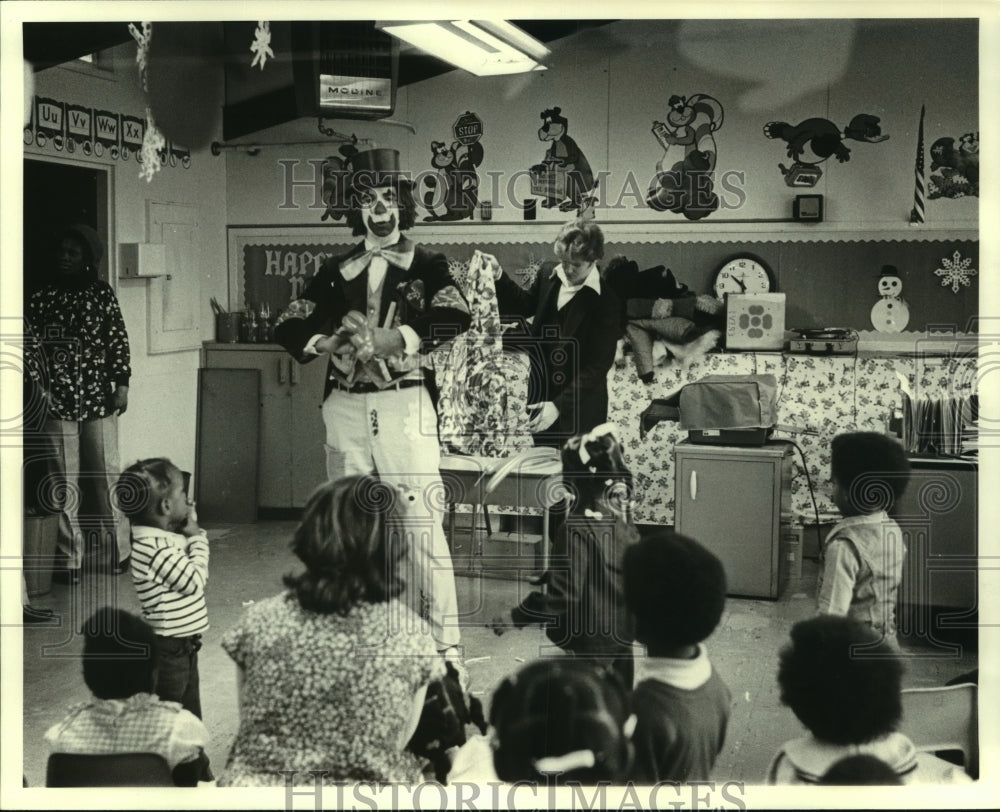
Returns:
<point x="115" y="770"/>
<point x="944" y="718"/>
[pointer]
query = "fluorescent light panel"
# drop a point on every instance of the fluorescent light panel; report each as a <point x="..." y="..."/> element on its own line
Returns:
<point x="481" y="47"/>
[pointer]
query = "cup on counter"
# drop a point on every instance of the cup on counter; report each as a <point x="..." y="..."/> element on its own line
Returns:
<point x="485" y="211"/>
<point x="227" y="327"/>
<point x="530" y="208"/>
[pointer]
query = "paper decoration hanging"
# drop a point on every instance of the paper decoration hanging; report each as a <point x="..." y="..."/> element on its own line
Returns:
<point x="959" y="167"/>
<point x="153" y="149"/>
<point x="261" y="46"/>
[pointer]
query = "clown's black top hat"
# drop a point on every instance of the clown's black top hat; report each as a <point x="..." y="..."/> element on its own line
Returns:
<point x="377" y="167"/>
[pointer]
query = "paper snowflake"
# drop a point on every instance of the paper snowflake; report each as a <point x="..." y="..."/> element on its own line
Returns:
<point x="459" y="272"/>
<point x="261" y="47"/>
<point x="956" y="272"/>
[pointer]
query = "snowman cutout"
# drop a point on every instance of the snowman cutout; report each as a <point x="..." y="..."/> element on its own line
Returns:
<point x="890" y="313"/>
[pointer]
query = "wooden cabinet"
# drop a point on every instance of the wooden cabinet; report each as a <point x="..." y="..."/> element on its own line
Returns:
<point x="736" y="501"/>
<point x="938" y="515"/>
<point x="291" y="449"/>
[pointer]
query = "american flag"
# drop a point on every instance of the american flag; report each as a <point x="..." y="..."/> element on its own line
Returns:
<point x="917" y="212"/>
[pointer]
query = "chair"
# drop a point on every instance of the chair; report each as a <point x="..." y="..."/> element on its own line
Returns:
<point x="944" y="719"/>
<point x="115" y="770"/>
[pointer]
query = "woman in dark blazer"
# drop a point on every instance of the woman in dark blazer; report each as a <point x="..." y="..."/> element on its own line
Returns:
<point x="572" y="337"/>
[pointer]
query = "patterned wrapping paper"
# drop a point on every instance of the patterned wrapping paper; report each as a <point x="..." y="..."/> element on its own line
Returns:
<point x="828" y="394"/>
<point x="483" y="390"/>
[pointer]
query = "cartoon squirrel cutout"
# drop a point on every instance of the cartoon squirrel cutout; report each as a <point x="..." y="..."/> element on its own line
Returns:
<point x="455" y="181"/>
<point x="564" y="177"/>
<point x="690" y="152"/>
<point x="814" y="140"/>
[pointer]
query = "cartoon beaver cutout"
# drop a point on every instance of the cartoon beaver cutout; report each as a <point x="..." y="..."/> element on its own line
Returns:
<point x="689" y="150"/>
<point x="455" y="181"/>
<point x="814" y="140"/>
<point x="564" y="176"/>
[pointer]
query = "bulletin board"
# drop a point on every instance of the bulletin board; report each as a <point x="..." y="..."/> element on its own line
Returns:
<point x="828" y="282"/>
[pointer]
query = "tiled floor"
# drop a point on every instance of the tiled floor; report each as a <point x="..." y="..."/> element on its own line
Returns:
<point x="247" y="564"/>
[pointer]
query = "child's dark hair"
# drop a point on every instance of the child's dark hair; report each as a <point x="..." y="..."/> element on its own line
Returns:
<point x="355" y="216"/>
<point x="675" y="588"/>
<point x="860" y="769"/>
<point x="840" y="680"/>
<point x="141" y="485"/>
<point x="871" y="468"/>
<point x="350" y="553"/>
<point x="594" y="468"/>
<point x="119" y="654"/>
<point x="564" y="720"/>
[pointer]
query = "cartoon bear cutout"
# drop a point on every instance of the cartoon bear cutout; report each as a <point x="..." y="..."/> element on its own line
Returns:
<point x="890" y="313"/>
<point x="454" y="184"/>
<point x="564" y="177"/>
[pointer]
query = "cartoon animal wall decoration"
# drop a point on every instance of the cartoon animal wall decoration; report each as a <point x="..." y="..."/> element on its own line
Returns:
<point x="816" y="139"/>
<point x="958" y="165"/>
<point x="454" y="185"/>
<point x="689" y="155"/>
<point x="564" y="177"/>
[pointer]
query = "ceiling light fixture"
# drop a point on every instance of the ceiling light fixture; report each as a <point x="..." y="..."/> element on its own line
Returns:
<point x="481" y="47"/>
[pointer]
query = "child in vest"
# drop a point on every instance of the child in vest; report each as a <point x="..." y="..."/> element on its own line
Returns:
<point x="170" y="571"/>
<point x="861" y="560"/>
<point x="677" y="591"/>
<point x="124" y="716"/>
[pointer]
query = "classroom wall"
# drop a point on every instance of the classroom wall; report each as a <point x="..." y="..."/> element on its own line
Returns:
<point x="613" y="82"/>
<point x="162" y="410"/>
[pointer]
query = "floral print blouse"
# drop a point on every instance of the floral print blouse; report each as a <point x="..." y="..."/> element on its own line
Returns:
<point x="327" y="692"/>
<point x="83" y="338"/>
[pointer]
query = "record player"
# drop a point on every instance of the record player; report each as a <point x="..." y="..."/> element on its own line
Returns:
<point x="824" y="341"/>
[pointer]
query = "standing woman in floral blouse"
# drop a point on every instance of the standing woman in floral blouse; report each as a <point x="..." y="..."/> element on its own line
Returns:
<point x="77" y="321"/>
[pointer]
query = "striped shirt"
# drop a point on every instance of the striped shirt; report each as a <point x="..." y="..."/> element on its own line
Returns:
<point x="170" y="572"/>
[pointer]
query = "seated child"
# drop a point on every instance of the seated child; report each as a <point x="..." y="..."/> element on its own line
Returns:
<point x="169" y="570"/>
<point x="557" y="720"/>
<point x="861" y="559"/>
<point x="656" y="306"/>
<point x="842" y="681"/>
<point x="677" y="591"/>
<point x="584" y="609"/>
<point x="124" y="716"/>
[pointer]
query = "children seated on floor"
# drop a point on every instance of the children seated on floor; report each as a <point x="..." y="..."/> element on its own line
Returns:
<point x="583" y="607"/>
<point x="861" y="559"/>
<point x="842" y="680"/>
<point x="124" y="715"/>
<point x="676" y="590"/>
<point x="557" y="721"/>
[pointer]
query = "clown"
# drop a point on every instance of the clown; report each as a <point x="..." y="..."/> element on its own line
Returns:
<point x="371" y="312"/>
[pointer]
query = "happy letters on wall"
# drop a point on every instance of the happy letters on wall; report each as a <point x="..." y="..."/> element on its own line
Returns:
<point x="72" y="128"/>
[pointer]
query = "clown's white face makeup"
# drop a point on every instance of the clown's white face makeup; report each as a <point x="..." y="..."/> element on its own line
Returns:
<point x="381" y="211"/>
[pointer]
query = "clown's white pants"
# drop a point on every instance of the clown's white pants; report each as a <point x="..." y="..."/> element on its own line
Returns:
<point x="393" y="433"/>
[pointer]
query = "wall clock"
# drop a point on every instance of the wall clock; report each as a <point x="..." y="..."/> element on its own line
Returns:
<point x="743" y="273"/>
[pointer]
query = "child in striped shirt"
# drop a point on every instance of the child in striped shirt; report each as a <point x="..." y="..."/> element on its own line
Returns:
<point x="169" y="570"/>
